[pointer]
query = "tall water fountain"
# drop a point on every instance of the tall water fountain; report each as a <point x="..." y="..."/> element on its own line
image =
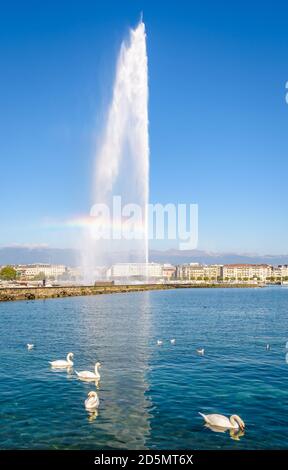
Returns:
<point x="122" y="158"/>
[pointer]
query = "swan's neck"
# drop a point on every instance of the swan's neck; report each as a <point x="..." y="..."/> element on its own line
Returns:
<point x="69" y="359"/>
<point x="96" y="370"/>
<point x="234" y="422"/>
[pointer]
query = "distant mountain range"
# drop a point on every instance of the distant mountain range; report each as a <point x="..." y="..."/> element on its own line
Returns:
<point x="206" y="257"/>
<point x="71" y="257"/>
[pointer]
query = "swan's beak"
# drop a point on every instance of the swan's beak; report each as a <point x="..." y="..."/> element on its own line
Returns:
<point x="242" y="426"/>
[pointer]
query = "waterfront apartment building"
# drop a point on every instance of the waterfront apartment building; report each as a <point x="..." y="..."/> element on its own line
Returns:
<point x="242" y="272"/>
<point x="168" y="271"/>
<point x="29" y="271"/>
<point x="213" y="271"/>
<point x="232" y="272"/>
<point x="280" y="272"/>
<point x="137" y="271"/>
<point x="199" y="272"/>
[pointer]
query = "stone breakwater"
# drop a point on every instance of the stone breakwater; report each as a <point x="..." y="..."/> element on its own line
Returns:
<point x="33" y="293"/>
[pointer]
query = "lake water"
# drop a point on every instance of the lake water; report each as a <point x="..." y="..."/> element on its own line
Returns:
<point x="150" y="395"/>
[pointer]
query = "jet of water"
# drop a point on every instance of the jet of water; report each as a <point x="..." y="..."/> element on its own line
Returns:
<point x="122" y="159"/>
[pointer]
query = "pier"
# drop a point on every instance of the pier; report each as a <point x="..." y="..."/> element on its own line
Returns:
<point x="34" y="293"/>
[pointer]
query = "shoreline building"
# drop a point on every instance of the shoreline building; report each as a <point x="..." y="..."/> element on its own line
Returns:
<point x="199" y="272"/>
<point x="280" y="272"/>
<point x="168" y="271"/>
<point x="29" y="271"/>
<point x="242" y="272"/>
<point x="135" y="271"/>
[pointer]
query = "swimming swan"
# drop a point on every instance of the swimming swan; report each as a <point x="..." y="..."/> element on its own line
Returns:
<point x="159" y="342"/>
<point x="92" y="401"/>
<point x="61" y="364"/>
<point x="30" y="346"/>
<point x="87" y="375"/>
<point x="235" y="434"/>
<point x="200" y="351"/>
<point x="173" y="341"/>
<point x="220" y="421"/>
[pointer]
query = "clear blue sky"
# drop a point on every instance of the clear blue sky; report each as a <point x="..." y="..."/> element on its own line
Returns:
<point x="218" y="116"/>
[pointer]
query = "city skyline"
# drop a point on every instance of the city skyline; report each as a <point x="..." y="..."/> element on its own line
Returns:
<point x="159" y="272"/>
<point x="218" y="117"/>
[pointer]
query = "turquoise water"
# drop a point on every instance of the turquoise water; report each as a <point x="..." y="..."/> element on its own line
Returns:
<point x="149" y="395"/>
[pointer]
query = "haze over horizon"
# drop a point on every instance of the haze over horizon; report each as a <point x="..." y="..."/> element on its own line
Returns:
<point x="71" y="257"/>
<point x="217" y="112"/>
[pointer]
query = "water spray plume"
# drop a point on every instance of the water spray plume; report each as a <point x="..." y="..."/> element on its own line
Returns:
<point x="122" y="159"/>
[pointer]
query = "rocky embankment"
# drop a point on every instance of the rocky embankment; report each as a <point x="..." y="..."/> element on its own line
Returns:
<point x="33" y="293"/>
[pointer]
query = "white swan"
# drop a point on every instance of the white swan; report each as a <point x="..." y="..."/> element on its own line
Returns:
<point x="87" y="375"/>
<point x="159" y="342"/>
<point x="201" y="351"/>
<point x="62" y="364"/>
<point x="30" y="346"/>
<point x="92" y="402"/>
<point x="173" y="341"/>
<point x="235" y="434"/>
<point x="267" y="346"/>
<point x="220" y="421"/>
